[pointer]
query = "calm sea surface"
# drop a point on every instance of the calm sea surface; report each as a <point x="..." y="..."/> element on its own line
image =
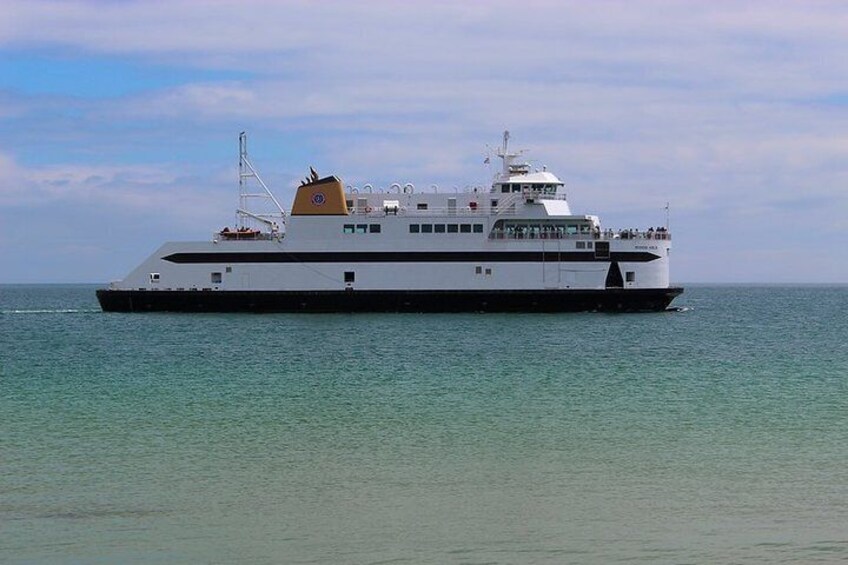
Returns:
<point x="718" y="434"/>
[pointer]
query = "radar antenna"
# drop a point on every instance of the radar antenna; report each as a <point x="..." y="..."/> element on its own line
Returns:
<point x="510" y="167"/>
<point x="246" y="172"/>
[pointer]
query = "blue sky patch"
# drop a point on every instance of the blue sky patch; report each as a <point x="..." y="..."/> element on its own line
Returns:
<point x="97" y="77"/>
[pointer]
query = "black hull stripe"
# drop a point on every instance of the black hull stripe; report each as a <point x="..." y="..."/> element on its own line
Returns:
<point x="410" y="257"/>
<point x="608" y="300"/>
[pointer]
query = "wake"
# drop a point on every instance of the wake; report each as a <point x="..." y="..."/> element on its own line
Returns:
<point x="52" y="311"/>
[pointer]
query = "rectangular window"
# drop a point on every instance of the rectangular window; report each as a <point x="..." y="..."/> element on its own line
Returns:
<point x="478" y="270"/>
<point x="361" y="228"/>
<point x="494" y="203"/>
<point x="349" y="204"/>
<point x="588" y="245"/>
<point x="229" y="269"/>
<point x="374" y="228"/>
<point x="488" y="271"/>
<point x="414" y="228"/>
<point x="216" y="278"/>
<point x="349" y="277"/>
<point x="154" y="277"/>
<point x="426" y="228"/>
<point x="581" y="245"/>
<point x="453" y="228"/>
<point x="464" y="228"/>
<point x="516" y="188"/>
<point x="630" y="276"/>
<point x="439" y="228"/>
<point x="348" y="228"/>
<point x="505" y="188"/>
<point x="478" y="228"/>
<point x="602" y="250"/>
<point x="422" y="206"/>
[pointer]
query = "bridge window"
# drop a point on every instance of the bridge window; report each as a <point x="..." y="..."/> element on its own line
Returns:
<point x="426" y="228"/>
<point x="478" y="228"/>
<point x="465" y="228"/>
<point x="439" y="228"/>
<point x="414" y="228"/>
<point x="453" y="228"/>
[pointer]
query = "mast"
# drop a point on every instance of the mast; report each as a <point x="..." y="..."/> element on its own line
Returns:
<point x="509" y="166"/>
<point x="667" y="217"/>
<point x="246" y="172"/>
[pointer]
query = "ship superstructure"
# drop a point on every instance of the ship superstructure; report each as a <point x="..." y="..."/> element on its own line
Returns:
<point x="514" y="247"/>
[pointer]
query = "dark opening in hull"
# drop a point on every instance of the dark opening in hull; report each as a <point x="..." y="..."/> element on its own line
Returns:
<point x="606" y="300"/>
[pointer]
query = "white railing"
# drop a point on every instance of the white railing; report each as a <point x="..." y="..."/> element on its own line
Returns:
<point x="459" y="211"/>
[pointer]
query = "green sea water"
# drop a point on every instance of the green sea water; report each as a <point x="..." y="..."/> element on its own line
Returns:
<point x="716" y="434"/>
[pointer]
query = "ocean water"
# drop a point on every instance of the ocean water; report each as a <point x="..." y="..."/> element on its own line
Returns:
<point x="716" y="434"/>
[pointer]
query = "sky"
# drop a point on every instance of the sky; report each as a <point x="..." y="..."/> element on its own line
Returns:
<point x="119" y="120"/>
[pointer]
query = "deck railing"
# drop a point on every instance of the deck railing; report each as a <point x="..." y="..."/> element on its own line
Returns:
<point x="606" y="235"/>
<point x="435" y="211"/>
<point x="252" y="235"/>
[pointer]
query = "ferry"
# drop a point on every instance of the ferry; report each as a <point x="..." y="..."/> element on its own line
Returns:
<point x="514" y="247"/>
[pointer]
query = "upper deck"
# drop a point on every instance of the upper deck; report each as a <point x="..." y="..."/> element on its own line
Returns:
<point x="519" y="204"/>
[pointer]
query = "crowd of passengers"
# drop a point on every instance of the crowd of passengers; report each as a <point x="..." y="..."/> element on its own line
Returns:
<point x="658" y="233"/>
<point x="559" y="232"/>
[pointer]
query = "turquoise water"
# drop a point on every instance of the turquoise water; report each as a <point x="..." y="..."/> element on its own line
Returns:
<point x="715" y="434"/>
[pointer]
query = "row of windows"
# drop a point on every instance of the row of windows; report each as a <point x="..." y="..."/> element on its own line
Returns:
<point x="361" y="228"/>
<point x="445" y="228"/>
<point x="417" y="228"/>
<point x="514" y="187"/>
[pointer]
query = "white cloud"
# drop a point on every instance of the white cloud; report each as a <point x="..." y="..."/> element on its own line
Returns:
<point x="145" y="190"/>
<point x="733" y="111"/>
